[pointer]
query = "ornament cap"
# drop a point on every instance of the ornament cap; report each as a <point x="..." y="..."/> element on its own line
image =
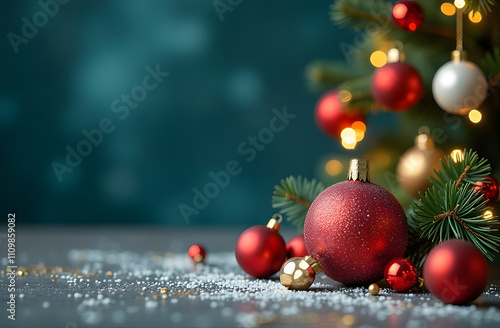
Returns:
<point x="424" y="142"/>
<point x="458" y="55"/>
<point x="275" y="224"/>
<point x="312" y="263"/>
<point x="359" y="169"/>
<point x="395" y="55"/>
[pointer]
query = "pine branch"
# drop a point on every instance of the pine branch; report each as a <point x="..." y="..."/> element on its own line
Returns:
<point x="294" y="196"/>
<point x="490" y="65"/>
<point x="469" y="170"/>
<point x="360" y="90"/>
<point x="357" y="13"/>
<point x="446" y="213"/>
<point x="483" y="6"/>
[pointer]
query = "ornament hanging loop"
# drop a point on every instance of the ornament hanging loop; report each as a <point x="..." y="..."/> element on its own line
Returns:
<point x="275" y="224"/>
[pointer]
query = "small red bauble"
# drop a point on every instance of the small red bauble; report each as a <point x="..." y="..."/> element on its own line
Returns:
<point x="401" y="274"/>
<point x="407" y="15"/>
<point x="397" y="86"/>
<point x="260" y="250"/>
<point x="330" y="116"/>
<point x="354" y="228"/>
<point x="296" y="247"/>
<point x="456" y="272"/>
<point x="197" y="253"/>
<point x="489" y="190"/>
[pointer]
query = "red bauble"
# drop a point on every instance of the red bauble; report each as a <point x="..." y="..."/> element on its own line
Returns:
<point x="489" y="190"/>
<point x="330" y="116"/>
<point x="197" y="253"/>
<point x="260" y="250"/>
<point x="456" y="272"/>
<point x="296" y="247"/>
<point x="354" y="228"/>
<point x="407" y="15"/>
<point x="397" y="86"/>
<point x="401" y="274"/>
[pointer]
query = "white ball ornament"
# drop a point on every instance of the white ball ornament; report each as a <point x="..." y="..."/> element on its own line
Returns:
<point x="459" y="86"/>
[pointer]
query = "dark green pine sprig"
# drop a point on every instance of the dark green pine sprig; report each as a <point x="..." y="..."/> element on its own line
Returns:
<point x="451" y="208"/>
<point x="469" y="169"/>
<point x="294" y="196"/>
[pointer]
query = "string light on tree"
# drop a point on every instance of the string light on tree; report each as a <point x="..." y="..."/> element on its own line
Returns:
<point x="475" y="116"/>
<point x="448" y="9"/>
<point x="378" y="58"/>
<point x="457" y="155"/>
<point x="475" y="17"/>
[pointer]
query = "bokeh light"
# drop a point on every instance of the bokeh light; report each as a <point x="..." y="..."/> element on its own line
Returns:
<point x="488" y="215"/>
<point x="475" y="116"/>
<point x="378" y="58"/>
<point x="459" y="4"/>
<point x="457" y="155"/>
<point x="448" y="9"/>
<point x="333" y="167"/>
<point x="475" y="17"/>
<point x="358" y="125"/>
<point x="344" y="95"/>
<point x="349" y="144"/>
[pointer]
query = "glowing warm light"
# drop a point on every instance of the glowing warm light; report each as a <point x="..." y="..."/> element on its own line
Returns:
<point x="488" y="215"/>
<point x="348" y="133"/>
<point x="475" y="17"/>
<point x="378" y="58"/>
<point x="459" y="4"/>
<point x="358" y="125"/>
<point x="348" y="145"/>
<point x="448" y="9"/>
<point x="333" y="167"/>
<point x="475" y="116"/>
<point x="344" y="95"/>
<point x="457" y="155"/>
<point x="360" y="135"/>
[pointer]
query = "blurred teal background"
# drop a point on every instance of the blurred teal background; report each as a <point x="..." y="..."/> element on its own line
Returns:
<point x="225" y="78"/>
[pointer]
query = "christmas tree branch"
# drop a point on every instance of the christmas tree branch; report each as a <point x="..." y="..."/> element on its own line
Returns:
<point x="294" y="196"/>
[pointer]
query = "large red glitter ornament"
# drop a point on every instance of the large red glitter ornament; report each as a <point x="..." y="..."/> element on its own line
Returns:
<point x="397" y="86"/>
<point x="456" y="272"/>
<point x="260" y="250"/>
<point x="296" y="247"/>
<point x="401" y="274"/>
<point x="354" y="228"/>
<point x="197" y="253"/>
<point x="330" y="116"/>
<point x="407" y="15"/>
<point x="489" y="190"/>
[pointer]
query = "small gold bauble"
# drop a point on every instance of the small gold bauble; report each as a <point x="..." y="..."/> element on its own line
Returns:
<point x="373" y="289"/>
<point x="417" y="164"/>
<point x="299" y="272"/>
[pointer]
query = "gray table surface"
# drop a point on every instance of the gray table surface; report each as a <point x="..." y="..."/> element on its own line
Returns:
<point x="113" y="277"/>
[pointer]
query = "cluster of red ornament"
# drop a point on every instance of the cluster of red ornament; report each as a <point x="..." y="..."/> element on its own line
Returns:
<point x="261" y="250"/>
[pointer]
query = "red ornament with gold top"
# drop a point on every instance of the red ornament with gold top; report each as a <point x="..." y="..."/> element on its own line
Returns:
<point x="354" y="228"/>
<point x="407" y="15"/>
<point x="331" y="118"/>
<point x="489" y="188"/>
<point x="260" y="250"/>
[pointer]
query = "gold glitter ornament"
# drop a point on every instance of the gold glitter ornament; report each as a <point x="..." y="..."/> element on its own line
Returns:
<point x="299" y="272"/>
<point x="373" y="289"/>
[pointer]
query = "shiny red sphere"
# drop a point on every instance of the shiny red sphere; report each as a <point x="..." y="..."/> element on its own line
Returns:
<point x="397" y="86"/>
<point x="331" y="118"/>
<point x="353" y="229"/>
<point x="401" y="274"/>
<point x="197" y="253"/>
<point x="260" y="251"/>
<point x="296" y="247"/>
<point x="456" y="272"/>
<point x="407" y="15"/>
<point x="489" y="190"/>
